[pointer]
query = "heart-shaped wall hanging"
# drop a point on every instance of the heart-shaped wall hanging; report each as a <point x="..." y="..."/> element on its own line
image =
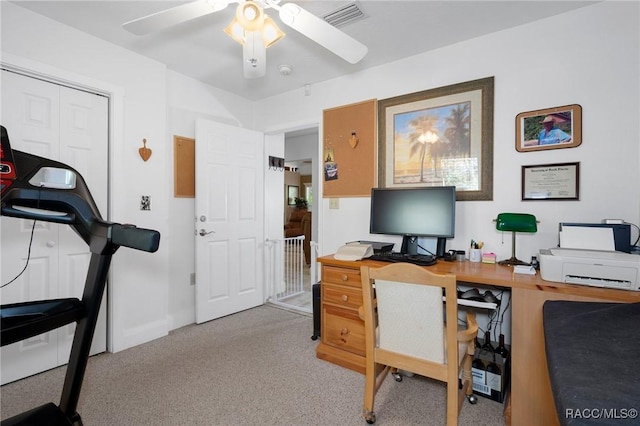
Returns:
<point x="353" y="140"/>
<point x="144" y="152"/>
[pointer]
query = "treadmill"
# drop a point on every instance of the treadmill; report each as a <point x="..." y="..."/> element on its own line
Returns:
<point x="37" y="188"/>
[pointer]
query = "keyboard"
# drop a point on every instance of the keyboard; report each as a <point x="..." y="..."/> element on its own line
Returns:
<point x="416" y="259"/>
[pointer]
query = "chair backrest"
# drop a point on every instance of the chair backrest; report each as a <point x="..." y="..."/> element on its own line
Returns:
<point x="409" y="314"/>
<point x="410" y="319"/>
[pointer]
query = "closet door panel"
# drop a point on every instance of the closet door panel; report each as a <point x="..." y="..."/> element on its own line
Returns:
<point x="51" y="121"/>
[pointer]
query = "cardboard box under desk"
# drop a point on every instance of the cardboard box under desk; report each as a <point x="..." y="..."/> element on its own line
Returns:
<point x="490" y="385"/>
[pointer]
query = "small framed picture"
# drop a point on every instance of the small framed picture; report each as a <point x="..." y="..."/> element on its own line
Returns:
<point x="560" y="181"/>
<point x="551" y="128"/>
<point x="292" y="194"/>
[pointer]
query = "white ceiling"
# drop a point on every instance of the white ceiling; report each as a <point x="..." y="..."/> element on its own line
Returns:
<point x="392" y="30"/>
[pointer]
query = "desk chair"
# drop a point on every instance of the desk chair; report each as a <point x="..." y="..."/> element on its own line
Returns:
<point x="405" y="329"/>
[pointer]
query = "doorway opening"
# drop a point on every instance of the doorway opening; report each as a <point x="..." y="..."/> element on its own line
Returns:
<point x="301" y="185"/>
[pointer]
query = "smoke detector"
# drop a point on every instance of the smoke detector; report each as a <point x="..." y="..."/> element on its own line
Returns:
<point x="285" y="70"/>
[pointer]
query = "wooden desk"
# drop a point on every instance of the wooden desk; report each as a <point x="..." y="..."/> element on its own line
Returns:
<point x="342" y="331"/>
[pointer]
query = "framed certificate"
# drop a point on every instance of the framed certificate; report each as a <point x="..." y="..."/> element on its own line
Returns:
<point x="559" y="181"/>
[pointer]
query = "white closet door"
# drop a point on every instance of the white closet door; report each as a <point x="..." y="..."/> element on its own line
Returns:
<point x="71" y="126"/>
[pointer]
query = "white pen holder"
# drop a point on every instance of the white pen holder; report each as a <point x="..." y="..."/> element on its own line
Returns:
<point x="475" y="255"/>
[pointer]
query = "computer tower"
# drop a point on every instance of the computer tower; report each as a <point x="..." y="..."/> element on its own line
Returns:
<point x="315" y="293"/>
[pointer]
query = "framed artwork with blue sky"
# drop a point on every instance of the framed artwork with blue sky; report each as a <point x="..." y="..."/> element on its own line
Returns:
<point x="439" y="137"/>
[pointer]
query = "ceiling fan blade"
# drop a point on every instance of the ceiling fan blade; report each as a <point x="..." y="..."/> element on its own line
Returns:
<point x="323" y="33"/>
<point x="173" y="16"/>
<point x="254" y="56"/>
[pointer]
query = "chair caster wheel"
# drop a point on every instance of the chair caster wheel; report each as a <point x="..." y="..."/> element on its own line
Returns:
<point x="397" y="377"/>
<point x="370" y="418"/>
<point x="472" y="399"/>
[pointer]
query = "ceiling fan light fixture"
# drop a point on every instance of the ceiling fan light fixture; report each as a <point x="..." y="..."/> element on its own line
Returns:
<point x="250" y="15"/>
<point x="236" y="31"/>
<point x="271" y="34"/>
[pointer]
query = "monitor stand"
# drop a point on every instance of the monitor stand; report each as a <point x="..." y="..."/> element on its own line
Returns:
<point x="410" y="246"/>
<point x="441" y="246"/>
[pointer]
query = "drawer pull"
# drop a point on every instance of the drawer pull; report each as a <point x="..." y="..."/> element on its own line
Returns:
<point x="344" y="331"/>
<point x="345" y="277"/>
<point x="345" y="298"/>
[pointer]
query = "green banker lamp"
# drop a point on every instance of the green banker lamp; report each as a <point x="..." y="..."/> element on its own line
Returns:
<point x="515" y="222"/>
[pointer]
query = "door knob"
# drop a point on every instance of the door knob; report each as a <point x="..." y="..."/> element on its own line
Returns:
<point x="203" y="232"/>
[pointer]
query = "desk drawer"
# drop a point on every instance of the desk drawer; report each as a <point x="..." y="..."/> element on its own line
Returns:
<point x="343" y="329"/>
<point x="343" y="296"/>
<point x="342" y="276"/>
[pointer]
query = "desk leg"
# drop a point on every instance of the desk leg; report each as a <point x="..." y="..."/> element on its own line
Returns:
<point x="531" y="397"/>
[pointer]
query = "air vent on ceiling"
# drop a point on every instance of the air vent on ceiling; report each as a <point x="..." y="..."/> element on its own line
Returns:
<point x="345" y="15"/>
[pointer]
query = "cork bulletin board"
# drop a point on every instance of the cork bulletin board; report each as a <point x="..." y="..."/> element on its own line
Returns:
<point x="184" y="167"/>
<point x="349" y="150"/>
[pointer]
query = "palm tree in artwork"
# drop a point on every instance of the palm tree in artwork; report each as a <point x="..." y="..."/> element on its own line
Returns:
<point x="457" y="132"/>
<point x="424" y="136"/>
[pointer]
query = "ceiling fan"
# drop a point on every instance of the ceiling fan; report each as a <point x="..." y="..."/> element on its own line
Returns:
<point x="255" y="30"/>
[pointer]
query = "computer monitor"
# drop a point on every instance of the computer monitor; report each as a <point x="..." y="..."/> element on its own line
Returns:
<point x="414" y="212"/>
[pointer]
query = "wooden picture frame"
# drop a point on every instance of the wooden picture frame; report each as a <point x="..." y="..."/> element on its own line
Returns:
<point x="293" y="192"/>
<point x="564" y="128"/>
<point x="349" y="149"/>
<point x="559" y="181"/>
<point x="439" y="137"/>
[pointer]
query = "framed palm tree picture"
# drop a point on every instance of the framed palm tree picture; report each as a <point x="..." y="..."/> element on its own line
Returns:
<point x="439" y="137"/>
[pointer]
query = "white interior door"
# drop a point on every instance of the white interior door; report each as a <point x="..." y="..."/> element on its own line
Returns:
<point x="229" y="220"/>
<point x="70" y="126"/>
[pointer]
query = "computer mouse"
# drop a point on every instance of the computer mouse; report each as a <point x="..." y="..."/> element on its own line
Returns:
<point x="472" y="294"/>
<point x="489" y="297"/>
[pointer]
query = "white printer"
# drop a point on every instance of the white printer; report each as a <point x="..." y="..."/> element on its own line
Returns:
<point x="611" y="269"/>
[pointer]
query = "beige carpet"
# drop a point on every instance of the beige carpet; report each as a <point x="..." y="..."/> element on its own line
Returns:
<point x="257" y="367"/>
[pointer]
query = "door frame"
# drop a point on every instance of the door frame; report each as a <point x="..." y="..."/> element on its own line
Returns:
<point x="115" y="94"/>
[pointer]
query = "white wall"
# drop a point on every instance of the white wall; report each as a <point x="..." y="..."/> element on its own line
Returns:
<point x="138" y="283"/>
<point x="187" y="101"/>
<point x="589" y="57"/>
<point x="597" y="68"/>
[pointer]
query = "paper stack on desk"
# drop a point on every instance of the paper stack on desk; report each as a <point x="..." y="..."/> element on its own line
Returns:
<point x="583" y="237"/>
<point x="524" y="269"/>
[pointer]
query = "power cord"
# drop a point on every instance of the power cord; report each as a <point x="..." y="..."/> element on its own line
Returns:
<point x="33" y="227"/>
<point x="419" y="246"/>
<point x="635" y="244"/>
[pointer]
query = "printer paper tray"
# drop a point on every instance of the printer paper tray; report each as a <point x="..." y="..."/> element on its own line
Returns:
<point x="599" y="275"/>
